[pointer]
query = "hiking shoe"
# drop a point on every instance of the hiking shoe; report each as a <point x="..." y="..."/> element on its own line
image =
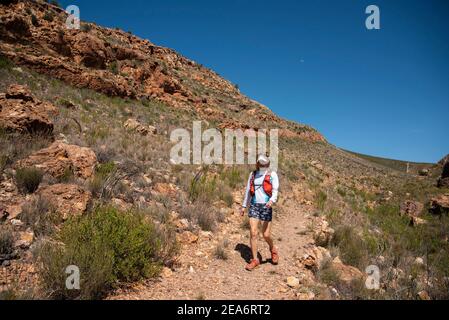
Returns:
<point x="274" y="256"/>
<point x="252" y="265"/>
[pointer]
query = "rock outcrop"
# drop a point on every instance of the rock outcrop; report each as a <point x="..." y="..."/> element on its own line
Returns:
<point x="134" y="125"/>
<point x="117" y="63"/>
<point x="440" y="205"/>
<point x="412" y="210"/>
<point x="60" y="158"/>
<point x="21" y="112"/>
<point x="346" y="274"/>
<point x="443" y="181"/>
<point x="67" y="199"/>
<point x="313" y="258"/>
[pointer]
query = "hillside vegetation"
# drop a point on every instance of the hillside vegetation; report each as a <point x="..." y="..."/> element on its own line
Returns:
<point x="86" y="180"/>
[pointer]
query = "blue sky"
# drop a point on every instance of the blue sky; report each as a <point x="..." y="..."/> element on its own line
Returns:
<point x="380" y="92"/>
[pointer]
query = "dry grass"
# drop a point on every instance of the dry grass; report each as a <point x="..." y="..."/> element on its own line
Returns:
<point x="6" y="241"/>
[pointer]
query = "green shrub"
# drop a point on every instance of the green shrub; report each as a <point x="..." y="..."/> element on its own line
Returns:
<point x="3" y="162"/>
<point x="48" y="16"/>
<point x="95" y="185"/>
<point x="113" y="67"/>
<point x="232" y="177"/>
<point x="341" y="192"/>
<point x="220" y="250"/>
<point x="102" y="172"/>
<point x="34" y="21"/>
<point x="66" y="176"/>
<point x="207" y="219"/>
<point x="108" y="246"/>
<point x="204" y="189"/>
<point x="352" y="247"/>
<point x="5" y="63"/>
<point x="55" y="3"/>
<point x="105" y="169"/>
<point x="85" y="27"/>
<point x="14" y="293"/>
<point x="28" y="179"/>
<point x="327" y="274"/>
<point x="202" y="214"/>
<point x="40" y="216"/>
<point x="228" y="198"/>
<point x="320" y="199"/>
<point x="6" y="241"/>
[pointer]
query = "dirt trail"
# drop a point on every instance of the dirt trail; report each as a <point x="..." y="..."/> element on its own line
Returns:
<point x="203" y="276"/>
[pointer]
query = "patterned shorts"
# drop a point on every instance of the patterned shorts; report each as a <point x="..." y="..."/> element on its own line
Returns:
<point x="261" y="212"/>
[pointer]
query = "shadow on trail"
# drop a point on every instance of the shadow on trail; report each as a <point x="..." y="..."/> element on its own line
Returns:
<point x="245" y="253"/>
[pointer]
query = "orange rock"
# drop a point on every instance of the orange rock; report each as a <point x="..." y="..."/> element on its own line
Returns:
<point x="21" y="112"/>
<point x="66" y="199"/>
<point x="134" y="125"/>
<point x="165" y="189"/>
<point x="60" y="157"/>
<point x="346" y="273"/>
<point x="440" y="205"/>
<point x="187" y="237"/>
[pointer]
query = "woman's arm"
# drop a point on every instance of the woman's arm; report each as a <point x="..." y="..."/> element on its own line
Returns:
<point x="275" y="184"/>
<point x="246" y="199"/>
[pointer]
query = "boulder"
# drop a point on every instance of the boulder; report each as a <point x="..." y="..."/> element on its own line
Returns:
<point x="66" y="199"/>
<point x="25" y="240"/>
<point x="187" y="237"/>
<point x="313" y="258"/>
<point x="415" y="221"/>
<point x="419" y="261"/>
<point x="134" y="125"/>
<point x="10" y="200"/>
<point x="440" y="205"/>
<point x="121" y="204"/>
<point x="166" y="189"/>
<point x="181" y="224"/>
<point x="60" y="157"/>
<point x="316" y="164"/>
<point x="346" y="274"/>
<point x="424" y="172"/>
<point x="293" y="282"/>
<point x="13" y="27"/>
<point x="166" y="273"/>
<point x="411" y="208"/>
<point x="424" y="295"/>
<point x="89" y="51"/>
<point x="22" y="112"/>
<point x="323" y="233"/>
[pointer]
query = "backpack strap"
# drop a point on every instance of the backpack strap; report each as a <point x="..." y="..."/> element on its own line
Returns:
<point x="252" y="185"/>
<point x="266" y="184"/>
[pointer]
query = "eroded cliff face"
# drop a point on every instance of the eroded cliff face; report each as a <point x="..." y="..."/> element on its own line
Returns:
<point x="116" y="63"/>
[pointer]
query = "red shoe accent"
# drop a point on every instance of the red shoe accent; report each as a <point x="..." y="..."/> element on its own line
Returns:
<point x="274" y="256"/>
<point x="252" y="265"/>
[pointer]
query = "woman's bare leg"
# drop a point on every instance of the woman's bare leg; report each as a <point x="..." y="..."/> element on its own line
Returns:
<point x="266" y="229"/>
<point x="254" y="226"/>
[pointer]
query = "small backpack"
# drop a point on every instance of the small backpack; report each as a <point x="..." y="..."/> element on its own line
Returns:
<point x="267" y="185"/>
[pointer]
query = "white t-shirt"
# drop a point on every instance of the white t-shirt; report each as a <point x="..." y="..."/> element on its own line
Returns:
<point x="260" y="196"/>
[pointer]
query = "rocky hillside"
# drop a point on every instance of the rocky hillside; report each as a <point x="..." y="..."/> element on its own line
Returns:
<point x="116" y="63"/>
<point x="85" y="179"/>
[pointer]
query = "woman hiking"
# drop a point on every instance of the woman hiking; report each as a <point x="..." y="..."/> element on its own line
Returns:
<point x="261" y="192"/>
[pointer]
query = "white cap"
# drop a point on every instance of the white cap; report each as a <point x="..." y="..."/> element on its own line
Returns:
<point x="263" y="160"/>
